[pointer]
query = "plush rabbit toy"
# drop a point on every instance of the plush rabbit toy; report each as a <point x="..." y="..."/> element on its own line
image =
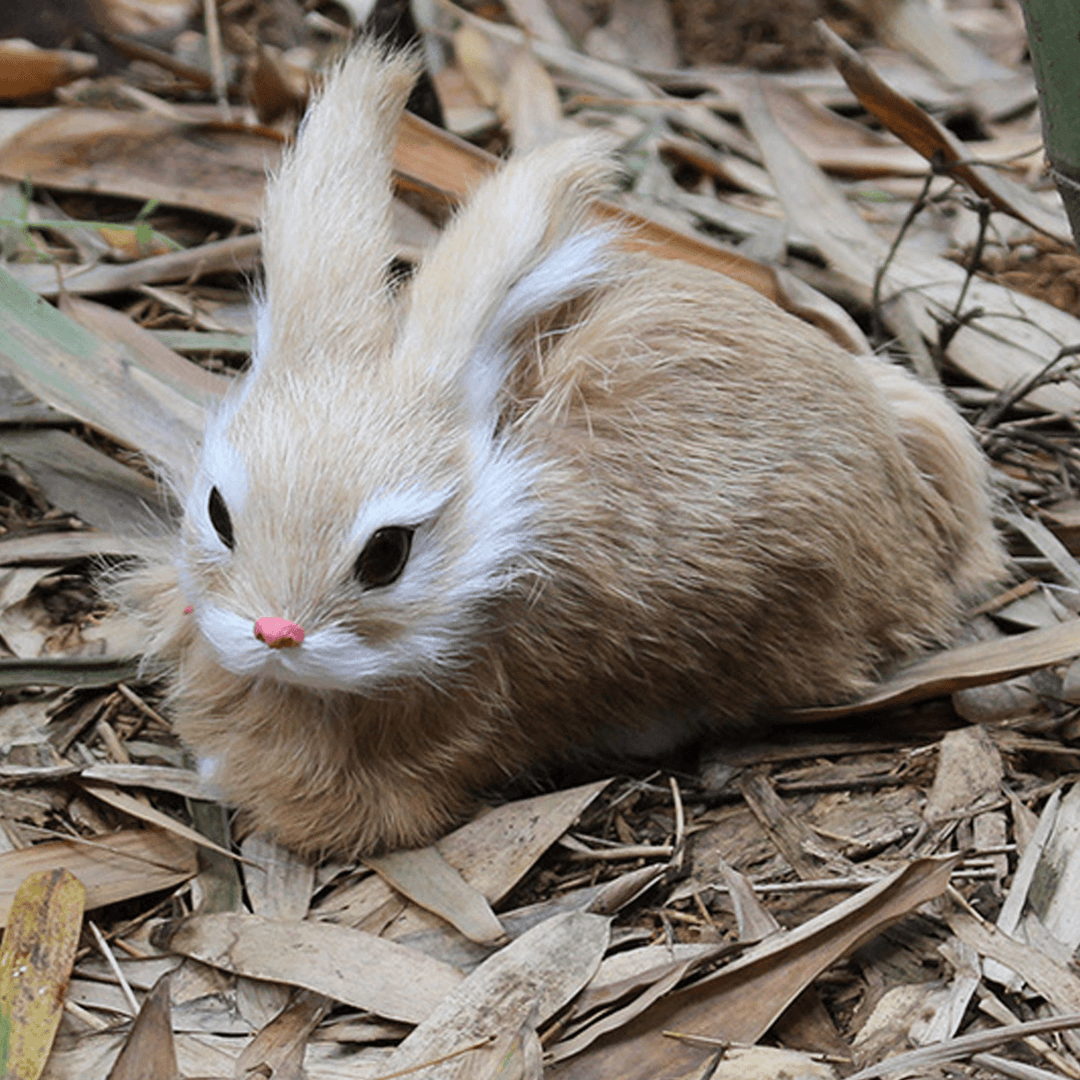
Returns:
<point x="546" y="498"/>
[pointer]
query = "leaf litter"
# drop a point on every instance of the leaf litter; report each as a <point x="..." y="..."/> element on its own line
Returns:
<point x="817" y="903"/>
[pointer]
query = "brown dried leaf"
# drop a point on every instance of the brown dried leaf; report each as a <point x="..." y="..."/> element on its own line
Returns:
<point x="427" y="879"/>
<point x="434" y="163"/>
<point x="1014" y="335"/>
<point x="967" y="665"/>
<point x="113" y="867"/>
<point x="238" y="254"/>
<point x="149" y="1053"/>
<point x="524" y="983"/>
<point x="969" y="772"/>
<point x="27" y="71"/>
<point x="39" y="947"/>
<point x="279" y="882"/>
<point x="138" y="346"/>
<point x="70" y="367"/>
<point x="740" y="1001"/>
<point x="205" y="166"/>
<point x="144" y="812"/>
<point x="936" y="143"/>
<point x="278" y="1049"/>
<point x="347" y="965"/>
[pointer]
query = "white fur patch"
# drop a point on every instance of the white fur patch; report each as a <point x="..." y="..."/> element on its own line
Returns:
<point x="221" y="466"/>
<point x="408" y="508"/>
<point x="328" y="659"/>
<point x="262" y="344"/>
<point x="577" y="264"/>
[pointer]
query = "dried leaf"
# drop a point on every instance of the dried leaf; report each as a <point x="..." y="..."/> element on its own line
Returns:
<point x="117" y="331"/>
<point x="83" y="480"/>
<point x="347" y="965"/>
<point x="209" y="167"/>
<point x="27" y="71"/>
<point x="740" y="1001"/>
<point x="967" y="665"/>
<point x="113" y="867"/>
<point x="149" y="1053"/>
<point x="36" y="958"/>
<point x="279" y="882"/>
<point x="238" y="254"/>
<point x="429" y="160"/>
<point x="526" y="982"/>
<point x="427" y="879"/>
<point x="936" y="143"/>
<point x="278" y="1049"/>
<point x="66" y="365"/>
<point x="144" y="812"/>
<point x="1014" y="335"/>
<point x="185" y="782"/>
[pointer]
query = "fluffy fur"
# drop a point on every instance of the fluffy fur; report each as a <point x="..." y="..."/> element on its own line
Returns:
<point x="645" y="501"/>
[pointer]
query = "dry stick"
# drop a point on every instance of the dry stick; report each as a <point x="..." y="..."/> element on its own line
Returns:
<point x="951" y="328"/>
<point x="964" y="1046"/>
<point x="103" y="948"/>
<point x="1008" y="398"/>
<point x="217" y="59"/>
<point x="879" y="276"/>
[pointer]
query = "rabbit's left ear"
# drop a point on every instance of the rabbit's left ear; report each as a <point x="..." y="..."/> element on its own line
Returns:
<point x="326" y="225"/>
<point x="519" y="250"/>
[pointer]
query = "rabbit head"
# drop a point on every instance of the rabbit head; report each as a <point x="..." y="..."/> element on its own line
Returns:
<point x="361" y="487"/>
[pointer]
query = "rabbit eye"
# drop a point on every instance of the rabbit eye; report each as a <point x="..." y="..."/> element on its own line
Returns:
<point x="219" y="518"/>
<point x="384" y="556"/>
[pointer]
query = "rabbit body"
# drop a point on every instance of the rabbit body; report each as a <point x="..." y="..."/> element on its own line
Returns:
<point x="635" y="501"/>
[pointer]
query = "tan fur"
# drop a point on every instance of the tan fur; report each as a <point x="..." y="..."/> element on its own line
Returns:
<point x="732" y="516"/>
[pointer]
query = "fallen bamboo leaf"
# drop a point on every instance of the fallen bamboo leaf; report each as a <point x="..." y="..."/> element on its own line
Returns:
<point x="237" y="254"/>
<point x="920" y="1061"/>
<point x="936" y="143"/>
<point x="526" y="982"/>
<point x="183" y="782"/>
<point x="1011" y="339"/>
<point x="279" y="882"/>
<point x="738" y="1003"/>
<point x="347" y="965"/>
<point x="137" y="809"/>
<point x="46" y="549"/>
<point x="27" y="71"/>
<point x="427" y="879"/>
<point x="38" y="952"/>
<point x="278" y="1049"/>
<point x="116" y="866"/>
<point x="968" y="665"/>
<point x="118" y="331"/>
<point x="85" y="481"/>
<point x="82" y="671"/>
<point x="433" y="162"/>
<point x="205" y="166"/>
<point x="69" y="367"/>
<point x="921" y="29"/>
<point x="148" y="1052"/>
<point x="1048" y="977"/>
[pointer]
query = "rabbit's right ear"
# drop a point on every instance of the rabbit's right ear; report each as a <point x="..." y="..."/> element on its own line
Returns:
<point x="326" y="223"/>
<point x="520" y="248"/>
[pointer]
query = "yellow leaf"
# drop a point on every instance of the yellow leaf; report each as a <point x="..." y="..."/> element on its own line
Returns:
<point x="35" y="964"/>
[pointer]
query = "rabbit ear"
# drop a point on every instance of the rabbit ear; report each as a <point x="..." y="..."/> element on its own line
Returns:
<point x="326" y="223"/>
<point x="518" y="250"/>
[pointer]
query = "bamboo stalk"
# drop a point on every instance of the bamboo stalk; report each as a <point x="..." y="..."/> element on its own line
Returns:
<point x="1054" y="40"/>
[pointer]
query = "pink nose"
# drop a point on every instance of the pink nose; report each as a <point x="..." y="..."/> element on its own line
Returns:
<point x="278" y="633"/>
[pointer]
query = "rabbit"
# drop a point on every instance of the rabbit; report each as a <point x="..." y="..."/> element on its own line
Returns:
<point x="547" y="498"/>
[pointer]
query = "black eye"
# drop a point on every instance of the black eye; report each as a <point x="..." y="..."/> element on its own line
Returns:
<point x="219" y="518"/>
<point x="384" y="556"/>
